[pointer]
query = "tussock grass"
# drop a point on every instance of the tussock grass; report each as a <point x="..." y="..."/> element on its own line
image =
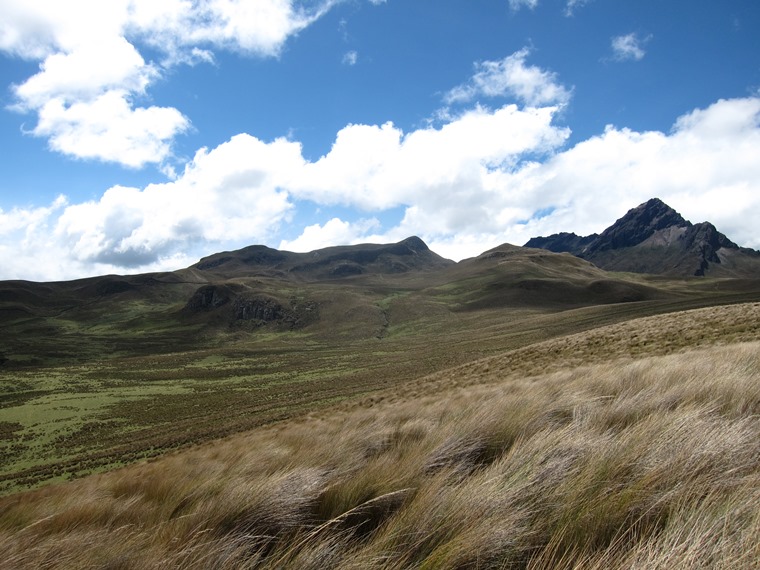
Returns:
<point x="648" y="463"/>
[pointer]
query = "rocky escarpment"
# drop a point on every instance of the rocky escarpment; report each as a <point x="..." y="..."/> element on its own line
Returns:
<point x="563" y="242"/>
<point x="238" y="306"/>
<point x="208" y="297"/>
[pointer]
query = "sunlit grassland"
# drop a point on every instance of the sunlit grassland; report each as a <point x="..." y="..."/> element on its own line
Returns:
<point x="59" y="422"/>
<point x="634" y="445"/>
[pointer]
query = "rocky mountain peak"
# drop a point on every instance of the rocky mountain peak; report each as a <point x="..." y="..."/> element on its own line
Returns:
<point x="415" y="244"/>
<point x="638" y="224"/>
<point x="654" y="238"/>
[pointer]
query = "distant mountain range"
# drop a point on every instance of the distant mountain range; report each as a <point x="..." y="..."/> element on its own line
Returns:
<point x="347" y="293"/>
<point x="653" y="238"/>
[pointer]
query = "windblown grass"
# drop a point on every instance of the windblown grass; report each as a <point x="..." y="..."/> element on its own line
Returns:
<point x="650" y="463"/>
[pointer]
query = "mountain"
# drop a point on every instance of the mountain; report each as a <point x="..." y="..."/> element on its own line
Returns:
<point x="357" y="293"/>
<point x="335" y="294"/>
<point x="653" y="238"/>
<point x="411" y="254"/>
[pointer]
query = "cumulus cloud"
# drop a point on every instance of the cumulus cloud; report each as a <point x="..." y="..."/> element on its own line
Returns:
<point x="260" y="27"/>
<point x="381" y="167"/>
<point x="334" y="232"/>
<point x="92" y="73"/>
<point x="108" y="128"/>
<point x="227" y="194"/>
<point x="629" y="47"/>
<point x="705" y="167"/>
<point x="243" y="190"/>
<point x="464" y="187"/>
<point x="511" y="77"/>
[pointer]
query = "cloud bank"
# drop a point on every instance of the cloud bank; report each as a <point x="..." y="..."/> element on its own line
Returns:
<point x="486" y="177"/>
<point x="493" y="167"/>
<point x="92" y="81"/>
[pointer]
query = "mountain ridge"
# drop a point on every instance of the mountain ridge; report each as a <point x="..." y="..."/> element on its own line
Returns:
<point x="327" y="263"/>
<point x="653" y="238"/>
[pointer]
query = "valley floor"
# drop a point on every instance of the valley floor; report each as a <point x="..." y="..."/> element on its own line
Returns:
<point x="634" y="445"/>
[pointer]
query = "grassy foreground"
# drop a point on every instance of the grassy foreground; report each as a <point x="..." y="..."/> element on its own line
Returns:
<point x="590" y="451"/>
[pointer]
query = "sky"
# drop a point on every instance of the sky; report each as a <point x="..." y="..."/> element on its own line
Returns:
<point x="142" y="135"/>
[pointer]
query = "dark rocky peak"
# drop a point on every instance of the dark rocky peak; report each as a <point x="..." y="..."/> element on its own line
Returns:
<point x="654" y="238"/>
<point x="708" y="234"/>
<point x="638" y="224"/>
<point x="414" y="244"/>
<point x="562" y="242"/>
<point x="704" y="240"/>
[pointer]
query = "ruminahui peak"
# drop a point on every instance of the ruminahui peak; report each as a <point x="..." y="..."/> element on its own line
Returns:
<point x="654" y="238"/>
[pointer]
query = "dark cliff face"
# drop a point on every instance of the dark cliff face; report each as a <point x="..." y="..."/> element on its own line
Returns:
<point x="563" y="242"/>
<point x="637" y="225"/>
<point x="654" y="238"/>
<point x="703" y="241"/>
<point x="208" y="297"/>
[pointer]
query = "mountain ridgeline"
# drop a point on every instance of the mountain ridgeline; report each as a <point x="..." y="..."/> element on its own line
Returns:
<point x="653" y="238"/>
<point x="411" y="254"/>
<point x="373" y="291"/>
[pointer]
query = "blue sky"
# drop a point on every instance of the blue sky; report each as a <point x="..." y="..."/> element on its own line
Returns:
<point x="140" y="135"/>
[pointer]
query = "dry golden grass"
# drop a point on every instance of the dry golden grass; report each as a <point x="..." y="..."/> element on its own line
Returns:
<point x="645" y="462"/>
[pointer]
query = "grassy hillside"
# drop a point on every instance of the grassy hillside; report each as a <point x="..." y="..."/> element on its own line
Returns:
<point x="632" y="444"/>
<point x="62" y="421"/>
<point x="377" y="407"/>
<point x="92" y="320"/>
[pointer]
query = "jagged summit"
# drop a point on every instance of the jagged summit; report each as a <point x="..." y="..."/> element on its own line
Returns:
<point x="654" y="238"/>
<point x="639" y="224"/>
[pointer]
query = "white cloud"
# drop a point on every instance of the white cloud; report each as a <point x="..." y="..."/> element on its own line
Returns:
<point x="27" y="219"/>
<point x="227" y="194"/>
<point x="705" y="167"/>
<point x="109" y="128"/>
<point x="511" y="77"/>
<point x="351" y="57"/>
<point x="84" y="73"/>
<point x="380" y="167"/>
<point x="259" y="28"/>
<point x="334" y="231"/>
<point x="242" y="191"/>
<point x="629" y="47"/>
<point x="90" y="64"/>
<point x="463" y="188"/>
<point x="573" y="4"/>
<point x="516" y="5"/>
